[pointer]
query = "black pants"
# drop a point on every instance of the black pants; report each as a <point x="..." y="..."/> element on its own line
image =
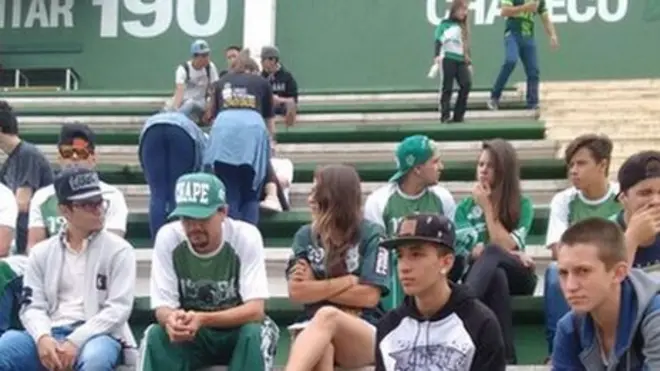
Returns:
<point x="496" y="276"/>
<point x="454" y="70"/>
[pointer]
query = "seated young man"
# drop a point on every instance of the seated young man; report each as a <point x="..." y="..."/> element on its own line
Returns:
<point x="614" y="322"/>
<point x="76" y="147"/>
<point x="591" y="195"/>
<point x="285" y="87"/>
<point x="439" y="322"/>
<point x="208" y="287"/>
<point x="77" y="290"/>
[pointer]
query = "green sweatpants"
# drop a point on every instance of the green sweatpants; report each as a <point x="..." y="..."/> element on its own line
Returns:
<point x="248" y="347"/>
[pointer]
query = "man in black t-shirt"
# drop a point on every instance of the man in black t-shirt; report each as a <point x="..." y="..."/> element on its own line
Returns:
<point x="231" y="52"/>
<point x="285" y="87"/>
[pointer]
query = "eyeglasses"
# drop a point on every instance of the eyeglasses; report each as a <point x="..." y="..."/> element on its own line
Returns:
<point x="91" y="206"/>
<point x="81" y="153"/>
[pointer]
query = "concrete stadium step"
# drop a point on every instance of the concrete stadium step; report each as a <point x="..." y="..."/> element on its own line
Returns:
<point x="597" y="96"/>
<point x="156" y="102"/>
<point x="539" y="191"/>
<point x="624" y="106"/>
<point x="603" y="85"/>
<point x="323" y="153"/>
<point x="135" y="122"/>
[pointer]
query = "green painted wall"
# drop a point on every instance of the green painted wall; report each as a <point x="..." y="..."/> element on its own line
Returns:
<point x="347" y="45"/>
<point x="116" y="44"/>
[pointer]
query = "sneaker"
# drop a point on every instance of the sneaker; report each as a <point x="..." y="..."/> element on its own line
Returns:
<point x="493" y="104"/>
<point x="271" y="204"/>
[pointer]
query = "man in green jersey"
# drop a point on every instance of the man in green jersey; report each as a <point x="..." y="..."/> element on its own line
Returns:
<point x="76" y="147"/>
<point x="519" y="42"/>
<point x="591" y="195"/>
<point x="412" y="189"/>
<point x="208" y="287"/>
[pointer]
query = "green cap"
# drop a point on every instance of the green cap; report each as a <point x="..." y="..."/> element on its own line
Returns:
<point x="412" y="151"/>
<point x="198" y="196"/>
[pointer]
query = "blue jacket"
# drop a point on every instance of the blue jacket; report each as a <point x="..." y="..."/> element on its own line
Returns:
<point x="637" y="345"/>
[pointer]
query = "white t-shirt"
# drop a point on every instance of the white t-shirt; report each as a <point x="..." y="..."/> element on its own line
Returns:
<point x="197" y="85"/>
<point x="44" y="212"/>
<point x="71" y="288"/>
<point x="8" y="207"/>
<point x="233" y="274"/>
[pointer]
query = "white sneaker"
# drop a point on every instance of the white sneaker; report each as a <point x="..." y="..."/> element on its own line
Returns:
<point x="271" y="204"/>
<point x="493" y="104"/>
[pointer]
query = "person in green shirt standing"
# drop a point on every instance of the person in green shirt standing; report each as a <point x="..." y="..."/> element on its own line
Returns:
<point x="592" y="194"/>
<point x="491" y="229"/>
<point x="519" y="42"/>
<point x="412" y="189"/>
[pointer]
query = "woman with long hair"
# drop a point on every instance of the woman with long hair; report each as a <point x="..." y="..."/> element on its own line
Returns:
<point x="491" y="228"/>
<point x="338" y="272"/>
<point x="238" y="149"/>
<point x="452" y="53"/>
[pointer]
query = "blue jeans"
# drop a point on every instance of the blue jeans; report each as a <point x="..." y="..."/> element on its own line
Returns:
<point x="555" y="305"/>
<point x="18" y="351"/>
<point x="166" y="153"/>
<point x="517" y="45"/>
<point x="243" y="201"/>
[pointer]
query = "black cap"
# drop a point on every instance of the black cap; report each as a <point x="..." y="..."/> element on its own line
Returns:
<point x="77" y="184"/>
<point x="638" y="167"/>
<point x="433" y="228"/>
<point x="69" y="132"/>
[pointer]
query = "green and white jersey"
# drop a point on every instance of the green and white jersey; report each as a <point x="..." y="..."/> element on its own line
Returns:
<point x="570" y="206"/>
<point x="388" y="204"/>
<point x="450" y="34"/>
<point x="44" y="212"/>
<point x="230" y="276"/>
<point x="471" y="226"/>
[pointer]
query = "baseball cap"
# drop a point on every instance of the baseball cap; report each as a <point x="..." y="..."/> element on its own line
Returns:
<point x="77" y="183"/>
<point x="199" y="47"/>
<point x="412" y="151"/>
<point x="70" y="132"/>
<point x="639" y="167"/>
<point x="270" y="52"/>
<point x="198" y="196"/>
<point x="433" y="228"/>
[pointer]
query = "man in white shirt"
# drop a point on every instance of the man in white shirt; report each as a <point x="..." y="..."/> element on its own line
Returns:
<point x="76" y="147"/>
<point x="208" y="287"/>
<point x="8" y="215"/>
<point x="193" y="80"/>
<point x="77" y="289"/>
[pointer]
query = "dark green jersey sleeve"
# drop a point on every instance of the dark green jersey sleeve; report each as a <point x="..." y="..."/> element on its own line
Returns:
<point x="519" y="235"/>
<point x="375" y="269"/>
<point x="467" y="235"/>
<point x="299" y="248"/>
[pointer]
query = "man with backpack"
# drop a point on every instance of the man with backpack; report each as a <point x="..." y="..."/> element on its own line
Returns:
<point x="614" y="323"/>
<point x="193" y="81"/>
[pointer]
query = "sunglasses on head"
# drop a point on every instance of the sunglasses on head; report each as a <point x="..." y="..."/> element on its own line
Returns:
<point x="81" y="153"/>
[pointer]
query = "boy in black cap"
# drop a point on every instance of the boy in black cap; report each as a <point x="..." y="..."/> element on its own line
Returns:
<point x="438" y="322"/>
<point x="285" y="87"/>
<point x="76" y="147"/>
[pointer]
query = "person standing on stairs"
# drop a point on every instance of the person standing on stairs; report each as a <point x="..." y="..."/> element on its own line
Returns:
<point x="77" y="148"/>
<point x="208" y="287"/>
<point x="591" y="195"/>
<point x="452" y="53"/>
<point x="491" y="232"/>
<point x="519" y="42"/>
<point x="240" y="139"/>
<point x="25" y="170"/>
<point x="439" y="322"/>
<point x="412" y="189"/>
<point x="170" y="145"/>
<point x="338" y="272"/>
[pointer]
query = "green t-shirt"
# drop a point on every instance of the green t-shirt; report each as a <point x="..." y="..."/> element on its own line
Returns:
<point x="570" y="206"/>
<point x="366" y="259"/>
<point x="523" y="23"/>
<point x="449" y="33"/>
<point x="225" y="278"/>
<point x="471" y="225"/>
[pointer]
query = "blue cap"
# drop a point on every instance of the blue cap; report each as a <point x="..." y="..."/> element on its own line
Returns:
<point x="199" y="47"/>
<point x="77" y="184"/>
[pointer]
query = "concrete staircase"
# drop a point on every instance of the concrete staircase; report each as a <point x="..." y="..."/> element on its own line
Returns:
<point x="627" y="111"/>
